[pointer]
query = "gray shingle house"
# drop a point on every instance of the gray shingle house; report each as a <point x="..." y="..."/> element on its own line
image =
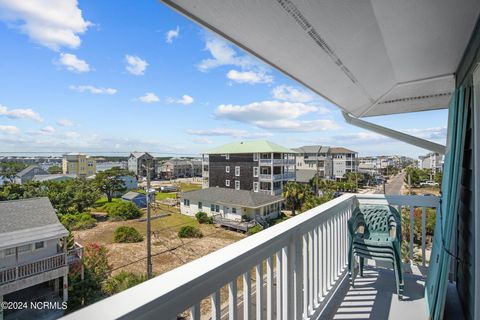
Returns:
<point x="33" y="255"/>
<point x="28" y="173"/>
<point x="138" y="161"/>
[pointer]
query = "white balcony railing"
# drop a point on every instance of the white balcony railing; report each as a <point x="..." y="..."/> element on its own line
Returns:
<point x="32" y="268"/>
<point x="293" y="267"/>
<point x="276" y="161"/>
<point x="276" y="177"/>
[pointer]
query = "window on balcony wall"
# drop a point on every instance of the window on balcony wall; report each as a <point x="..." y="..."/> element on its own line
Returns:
<point x="237" y="171"/>
<point x="237" y="185"/>
<point x="24" y="248"/>
<point x="227" y="169"/>
<point x="255" y="187"/>
<point x="227" y="183"/>
<point x="39" y="245"/>
<point x="255" y="171"/>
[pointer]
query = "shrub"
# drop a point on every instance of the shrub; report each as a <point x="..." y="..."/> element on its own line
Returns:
<point x="78" y="221"/>
<point x="189" y="232"/>
<point x="123" y="210"/>
<point x="122" y="281"/>
<point x="203" y="217"/>
<point x="127" y="234"/>
<point x="255" y="229"/>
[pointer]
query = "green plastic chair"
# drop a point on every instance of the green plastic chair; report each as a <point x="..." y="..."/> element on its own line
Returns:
<point x="375" y="232"/>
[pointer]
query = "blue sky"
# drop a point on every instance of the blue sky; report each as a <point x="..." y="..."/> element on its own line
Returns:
<point x="104" y="76"/>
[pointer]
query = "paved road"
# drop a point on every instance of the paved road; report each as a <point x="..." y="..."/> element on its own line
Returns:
<point x="394" y="185"/>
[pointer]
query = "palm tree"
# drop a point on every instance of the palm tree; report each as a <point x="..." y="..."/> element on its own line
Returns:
<point x="296" y="194"/>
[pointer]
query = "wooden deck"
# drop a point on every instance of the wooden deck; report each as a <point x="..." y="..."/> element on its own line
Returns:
<point x="237" y="225"/>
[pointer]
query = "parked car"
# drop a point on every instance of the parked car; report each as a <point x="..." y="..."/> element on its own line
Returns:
<point x="429" y="184"/>
<point x="168" y="188"/>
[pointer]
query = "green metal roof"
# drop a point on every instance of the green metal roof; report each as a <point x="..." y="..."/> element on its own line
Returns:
<point x="257" y="146"/>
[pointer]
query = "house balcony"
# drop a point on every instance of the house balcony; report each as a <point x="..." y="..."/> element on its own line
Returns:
<point x="276" y="162"/>
<point x="276" y="192"/>
<point x="293" y="270"/>
<point x="276" y="177"/>
<point x="40" y="266"/>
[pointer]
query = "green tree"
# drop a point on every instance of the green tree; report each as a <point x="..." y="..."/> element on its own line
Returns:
<point x="123" y="210"/>
<point x="110" y="182"/>
<point x="295" y="194"/>
<point x="54" y="169"/>
<point x="8" y="170"/>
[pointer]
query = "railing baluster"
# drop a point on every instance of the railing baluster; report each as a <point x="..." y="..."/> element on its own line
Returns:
<point x="315" y="268"/>
<point x="216" y="307"/>
<point x="424" y="234"/>
<point x="195" y="312"/>
<point x="232" y="300"/>
<point x="330" y="254"/>
<point x="305" y="263"/>
<point x="247" y="296"/>
<point x="259" y="289"/>
<point x="412" y="209"/>
<point x="310" y="279"/>
<point x="270" y="271"/>
<point x="278" y="280"/>
<point x="324" y="260"/>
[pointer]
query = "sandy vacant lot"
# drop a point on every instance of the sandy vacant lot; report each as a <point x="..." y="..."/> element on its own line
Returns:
<point x="168" y="250"/>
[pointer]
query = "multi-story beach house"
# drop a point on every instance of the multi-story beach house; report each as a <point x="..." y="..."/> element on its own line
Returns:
<point x="138" y="162"/>
<point x="258" y="166"/>
<point x="79" y="164"/>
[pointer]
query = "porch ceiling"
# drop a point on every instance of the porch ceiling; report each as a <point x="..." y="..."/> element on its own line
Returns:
<point x="369" y="57"/>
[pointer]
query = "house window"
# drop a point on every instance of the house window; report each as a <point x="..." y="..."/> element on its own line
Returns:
<point x="255" y="187"/>
<point x="255" y="171"/>
<point x="9" y="252"/>
<point x="234" y="210"/>
<point x="227" y="183"/>
<point x="200" y="206"/>
<point x="212" y="207"/>
<point x="39" y="245"/>
<point x="255" y="157"/>
<point x="217" y="208"/>
<point x="237" y="185"/>
<point x="186" y="202"/>
<point x="237" y="171"/>
<point x="25" y="248"/>
<point x="227" y="169"/>
<point x="227" y="157"/>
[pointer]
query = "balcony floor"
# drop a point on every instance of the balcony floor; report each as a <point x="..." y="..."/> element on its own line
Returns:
<point x="375" y="297"/>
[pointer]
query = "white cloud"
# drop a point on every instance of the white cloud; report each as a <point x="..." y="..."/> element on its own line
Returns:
<point x="227" y="132"/>
<point x="51" y="23"/>
<point x="279" y="115"/>
<point x="185" y="100"/>
<point x="9" y="129"/>
<point x="72" y="63"/>
<point x="250" y="77"/>
<point x="202" y="141"/>
<point x="20" y="114"/>
<point x="437" y="133"/>
<point x="93" y="90"/>
<point x="288" y="93"/>
<point x="72" y="135"/>
<point x="223" y="54"/>
<point x="149" y="97"/>
<point x="48" y="130"/>
<point x="172" y="34"/>
<point x="65" y="123"/>
<point x="135" y="65"/>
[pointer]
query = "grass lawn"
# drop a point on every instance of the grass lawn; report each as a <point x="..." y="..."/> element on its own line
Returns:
<point x="102" y="204"/>
<point x="189" y="186"/>
<point x="165" y="195"/>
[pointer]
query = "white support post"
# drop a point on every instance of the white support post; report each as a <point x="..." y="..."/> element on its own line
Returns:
<point x="259" y="290"/>
<point x="247" y="296"/>
<point x="65" y="288"/>
<point x="232" y="300"/>
<point x="270" y="271"/>
<point x="56" y="286"/>
<point x="1" y="309"/>
<point x="216" y="306"/>
<point x="278" y="280"/>
<point x="195" y="312"/>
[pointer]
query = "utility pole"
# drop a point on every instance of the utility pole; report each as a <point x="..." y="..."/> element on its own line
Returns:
<point x="149" y="233"/>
